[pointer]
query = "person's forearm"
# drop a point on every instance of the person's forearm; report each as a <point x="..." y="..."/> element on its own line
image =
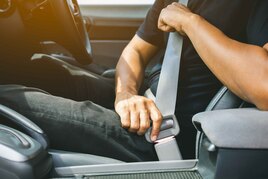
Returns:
<point x="136" y="112"/>
<point x="241" y="67"/>
<point x="131" y="65"/>
<point x="129" y="72"/>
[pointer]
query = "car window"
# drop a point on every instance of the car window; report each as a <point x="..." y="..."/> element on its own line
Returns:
<point x="113" y="2"/>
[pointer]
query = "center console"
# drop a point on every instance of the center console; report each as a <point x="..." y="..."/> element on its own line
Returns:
<point x="21" y="156"/>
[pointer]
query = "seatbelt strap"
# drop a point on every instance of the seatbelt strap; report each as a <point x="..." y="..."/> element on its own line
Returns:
<point x="166" y="97"/>
<point x="168" y="82"/>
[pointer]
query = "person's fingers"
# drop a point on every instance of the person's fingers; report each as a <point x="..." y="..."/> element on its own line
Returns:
<point x="175" y="4"/>
<point x="135" y="114"/>
<point x="179" y="5"/>
<point x="123" y="111"/>
<point x="156" y="118"/>
<point x="144" y="122"/>
<point x="125" y="119"/>
<point x="165" y="28"/>
<point x="134" y="121"/>
<point x="162" y="25"/>
<point x="167" y="22"/>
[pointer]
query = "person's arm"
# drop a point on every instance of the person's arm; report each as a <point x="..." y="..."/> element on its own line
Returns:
<point x="135" y="111"/>
<point x="243" y="68"/>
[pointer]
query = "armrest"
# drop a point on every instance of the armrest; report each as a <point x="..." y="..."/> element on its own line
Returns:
<point x="235" y="128"/>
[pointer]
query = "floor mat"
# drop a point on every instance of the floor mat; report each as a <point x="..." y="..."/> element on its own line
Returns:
<point x="160" y="175"/>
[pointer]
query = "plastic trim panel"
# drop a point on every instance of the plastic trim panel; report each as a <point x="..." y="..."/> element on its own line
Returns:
<point x="126" y="168"/>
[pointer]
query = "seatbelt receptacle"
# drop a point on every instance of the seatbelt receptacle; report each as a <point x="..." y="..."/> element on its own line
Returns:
<point x="166" y="145"/>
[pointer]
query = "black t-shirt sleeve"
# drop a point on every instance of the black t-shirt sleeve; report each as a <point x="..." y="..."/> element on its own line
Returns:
<point x="257" y="31"/>
<point x="148" y="30"/>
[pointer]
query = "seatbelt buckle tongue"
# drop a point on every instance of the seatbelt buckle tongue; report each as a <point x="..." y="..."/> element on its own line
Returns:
<point x="167" y="149"/>
<point x="169" y="128"/>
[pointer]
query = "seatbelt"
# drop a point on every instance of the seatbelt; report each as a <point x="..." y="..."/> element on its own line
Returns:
<point x="166" y="146"/>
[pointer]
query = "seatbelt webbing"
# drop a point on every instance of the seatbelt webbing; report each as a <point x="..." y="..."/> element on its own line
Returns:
<point x="166" y="146"/>
<point x="166" y="95"/>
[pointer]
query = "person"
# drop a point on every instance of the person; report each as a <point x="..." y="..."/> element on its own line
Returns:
<point x="197" y="85"/>
<point x="90" y="128"/>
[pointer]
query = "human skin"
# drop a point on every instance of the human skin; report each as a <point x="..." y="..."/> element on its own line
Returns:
<point x="135" y="111"/>
<point x="243" y="68"/>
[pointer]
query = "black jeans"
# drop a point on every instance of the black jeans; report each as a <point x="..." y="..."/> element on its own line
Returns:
<point x="77" y="126"/>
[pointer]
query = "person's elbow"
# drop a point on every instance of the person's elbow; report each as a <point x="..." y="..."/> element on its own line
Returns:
<point x="262" y="104"/>
<point x="260" y="99"/>
<point x="259" y="90"/>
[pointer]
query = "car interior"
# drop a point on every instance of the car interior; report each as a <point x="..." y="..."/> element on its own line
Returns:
<point x="231" y="140"/>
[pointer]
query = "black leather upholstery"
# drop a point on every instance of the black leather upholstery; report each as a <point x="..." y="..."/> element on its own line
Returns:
<point x="225" y="99"/>
<point x="93" y="67"/>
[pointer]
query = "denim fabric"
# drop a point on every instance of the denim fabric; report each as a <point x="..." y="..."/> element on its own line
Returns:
<point x="77" y="126"/>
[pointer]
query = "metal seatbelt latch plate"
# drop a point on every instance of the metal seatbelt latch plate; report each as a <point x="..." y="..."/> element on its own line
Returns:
<point x="170" y="127"/>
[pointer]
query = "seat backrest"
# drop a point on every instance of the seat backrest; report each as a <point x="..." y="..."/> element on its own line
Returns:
<point x="225" y="99"/>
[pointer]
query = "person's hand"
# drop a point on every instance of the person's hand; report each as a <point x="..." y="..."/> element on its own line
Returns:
<point x="174" y="17"/>
<point x="137" y="112"/>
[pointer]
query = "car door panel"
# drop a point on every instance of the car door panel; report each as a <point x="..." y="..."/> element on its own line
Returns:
<point x="111" y="27"/>
<point x="107" y="52"/>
